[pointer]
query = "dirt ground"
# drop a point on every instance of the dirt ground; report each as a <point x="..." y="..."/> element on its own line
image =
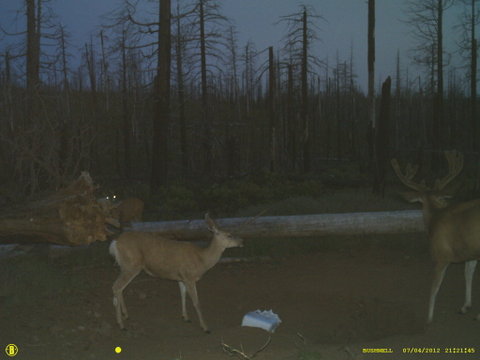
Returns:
<point x="333" y="303"/>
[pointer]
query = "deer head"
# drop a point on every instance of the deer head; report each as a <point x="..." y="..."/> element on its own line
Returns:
<point x="432" y="197"/>
<point x="224" y="238"/>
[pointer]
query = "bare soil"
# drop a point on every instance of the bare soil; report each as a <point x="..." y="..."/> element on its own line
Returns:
<point x="334" y="303"/>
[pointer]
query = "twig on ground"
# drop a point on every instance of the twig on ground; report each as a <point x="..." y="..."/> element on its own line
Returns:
<point x="241" y="353"/>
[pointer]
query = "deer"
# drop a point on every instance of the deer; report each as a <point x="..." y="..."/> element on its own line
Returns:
<point x="126" y="210"/>
<point x="169" y="259"/>
<point x="453" y="230"/>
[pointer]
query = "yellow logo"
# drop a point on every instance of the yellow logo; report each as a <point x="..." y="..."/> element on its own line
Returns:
<point x="118" y="349"/>
<point x="11" y="350"/>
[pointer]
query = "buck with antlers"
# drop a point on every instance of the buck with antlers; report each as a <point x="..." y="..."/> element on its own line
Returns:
<point x="453" y="230"/>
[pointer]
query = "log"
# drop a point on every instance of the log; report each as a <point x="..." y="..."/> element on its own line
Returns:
<point x="71" y="216"/>
<point x="386" y="222"/>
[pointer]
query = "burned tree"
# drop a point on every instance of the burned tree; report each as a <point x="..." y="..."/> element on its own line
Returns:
<point x="371" y="77"/>
<point x="301" y="34"/>
<point x="161" y="119"/>
<point x="382" y="141"/>
<point x="426" y="19"/>
<point x="207" y="18"/>
<point x="468" y="46"/>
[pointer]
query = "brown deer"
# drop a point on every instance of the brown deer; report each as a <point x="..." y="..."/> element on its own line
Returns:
<point x="128" y="210"/>
<point x="453" y="230"/>
<point x="168" y="259"/>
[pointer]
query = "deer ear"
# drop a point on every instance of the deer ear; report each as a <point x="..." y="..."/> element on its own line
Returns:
<point x="210" y="223"/>
<point x="412" y="196"/>
<point x="441" y="201"/>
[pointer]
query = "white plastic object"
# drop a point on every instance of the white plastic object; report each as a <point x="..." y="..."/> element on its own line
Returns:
<point x="266" y="320"/>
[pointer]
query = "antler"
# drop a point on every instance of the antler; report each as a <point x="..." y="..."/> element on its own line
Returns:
<point x="252" y="219"/>
<point x="455" y="166"/>
<point x="407" y="178"/>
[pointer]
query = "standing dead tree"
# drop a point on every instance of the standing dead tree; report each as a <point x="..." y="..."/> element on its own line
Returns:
<point x="301" y="34"/>
<point x="426" y="19"/>
<point x="154" y="37"/>
<point x="468" y="46"/>
<point x="207" y="18"/>
<point x="161" y="119"/>
<point x="371" y="78"/>
<point x="382" y="140"/>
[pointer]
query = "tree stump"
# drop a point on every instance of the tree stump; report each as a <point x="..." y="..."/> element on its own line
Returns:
<point x="71" y="216"/>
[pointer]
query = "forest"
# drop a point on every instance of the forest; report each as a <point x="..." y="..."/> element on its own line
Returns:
<point x="164" y="94"/>
<point x="165" y="105"/>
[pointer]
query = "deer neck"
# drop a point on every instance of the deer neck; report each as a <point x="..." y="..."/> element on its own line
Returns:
<point x="429" y="210"/>
<point x="212" y="253"/>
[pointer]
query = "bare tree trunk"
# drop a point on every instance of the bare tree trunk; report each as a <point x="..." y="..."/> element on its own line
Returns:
<point x="382" y="140"/>
<point x="181" y="96"/>
<point x="90" y="56"/>
<point x="398" y="100"/>
<point x="33" y="55"/>
<point x="382" y="222"/>
<point x="371" y="62"/>
<point x="473" y="79"/>
<point x="438" y="126"/>
<point x="161" y="120"/>
<point x="291" y="120"/>
<point x="104" y="74"/>
<point x="125" y="111"/>
<point x="304" y="107"/>
<point x="65" y="121"/>
<point x="271" y="109"/>
<point x="207" y="132"/>
<point x="371" y="77"/>
<point x="231" y="144"/>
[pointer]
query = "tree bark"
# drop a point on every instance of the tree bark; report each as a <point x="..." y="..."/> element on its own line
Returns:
<point x="388" y="222"/>
<point x="304" y="107"/>
<point x="207" y="133"/>
<point x="33" y="58"/>
<point x="271" y="109"/>
<point x="382" y="140"/>
<point x="473" y="79"/>
<point x="162" y="100"/>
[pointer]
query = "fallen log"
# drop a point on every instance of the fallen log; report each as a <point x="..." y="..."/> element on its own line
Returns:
<point x="71" y="216"/>
<point x="385" y="222"/>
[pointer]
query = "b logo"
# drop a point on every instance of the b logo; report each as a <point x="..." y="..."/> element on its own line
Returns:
<point x="11" y="350"/>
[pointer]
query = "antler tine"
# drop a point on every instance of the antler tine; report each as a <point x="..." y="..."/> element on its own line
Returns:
<point x="252" y="219"/>
<point x="455" y="166"/>
<point x="407" y="178"/>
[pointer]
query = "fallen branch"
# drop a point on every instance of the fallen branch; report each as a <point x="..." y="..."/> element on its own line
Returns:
<point x="241" y="354"/>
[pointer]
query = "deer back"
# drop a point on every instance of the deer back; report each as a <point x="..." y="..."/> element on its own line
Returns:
<point x="162" y="257"/>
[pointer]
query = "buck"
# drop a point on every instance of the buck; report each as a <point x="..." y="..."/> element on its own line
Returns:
<point x="453" y="230"/>
<point x="168" y="259"/>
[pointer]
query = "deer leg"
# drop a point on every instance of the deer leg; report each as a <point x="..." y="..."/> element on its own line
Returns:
<point x="469" y="271"/>
<point x="192" y="291"/>
<point x="118" y="286"/>
<point x="437" y="281"/>
<point x="183" y="293"/>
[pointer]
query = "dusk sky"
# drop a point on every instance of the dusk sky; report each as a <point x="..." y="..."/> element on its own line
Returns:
<point x="345" y="26"/>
